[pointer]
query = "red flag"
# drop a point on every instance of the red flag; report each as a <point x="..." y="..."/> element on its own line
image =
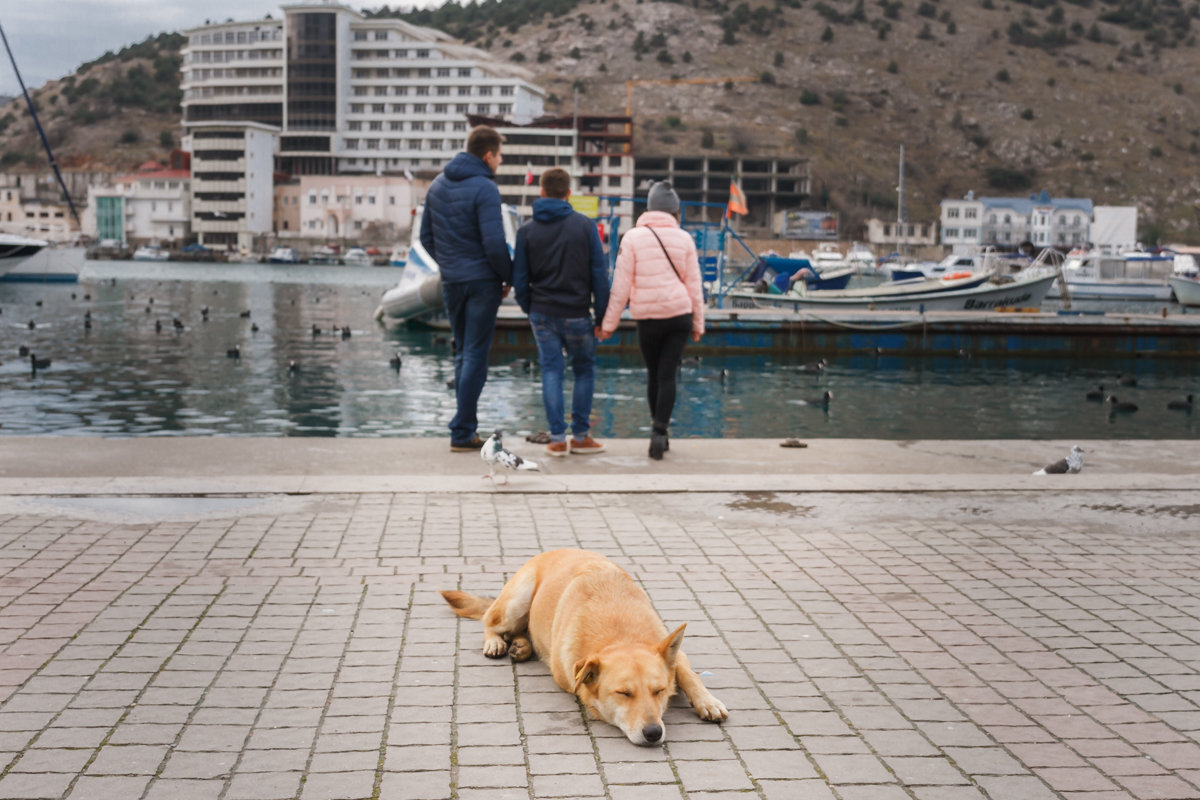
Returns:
<point x="737" y="201"/>
<point x="529" y="175"/>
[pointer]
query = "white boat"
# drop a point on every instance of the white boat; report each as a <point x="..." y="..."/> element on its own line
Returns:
<point x="15" y="249"/>
<point x="356" y="257"/>
<point x="1135" y="275"/>
<point x="955" y="263"/>
<point x="151" y="252"/>
<point x="826" y="258"/>
<point x="860" y="257"/>
<point x="418" y="295"/>
<point x="283" y="255"/>
<point x="399" y="256"/>
<point x="1024" y="293"/>
<point x="1186" y="290"/>
<point x="324" y="255"/>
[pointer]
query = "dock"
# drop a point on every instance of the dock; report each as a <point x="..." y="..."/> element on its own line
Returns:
<point x="237" y="619"/>
<point x="1021" y="333"/>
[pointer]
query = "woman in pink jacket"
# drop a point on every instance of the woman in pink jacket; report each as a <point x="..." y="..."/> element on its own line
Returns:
<point x="658" y="275"/>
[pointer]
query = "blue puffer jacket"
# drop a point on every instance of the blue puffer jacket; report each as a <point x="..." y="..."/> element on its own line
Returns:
<point x="462" y="228"/>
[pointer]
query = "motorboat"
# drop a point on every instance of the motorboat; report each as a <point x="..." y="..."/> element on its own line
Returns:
<point x="1185" y="289"/>
<point x="16" y="249"/>
<point x="860" y="257"/>
<point x="1129" y="275"/>
<point x="151" y="252"/>
<point x="356" y="257"/>
<point x="418" y="295"/>
<point x="324" y="255"/>
<point x="1028" y="292"/>
<point x="283" y="255"/>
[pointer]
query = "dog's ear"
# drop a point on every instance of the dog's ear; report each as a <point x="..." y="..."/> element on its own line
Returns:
<point x="668" y="648"/>
<point x="586" y="671"/>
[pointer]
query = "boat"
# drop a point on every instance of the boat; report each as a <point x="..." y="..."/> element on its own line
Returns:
<point x="1028" y="292"/>
<point x="283" y="255"/>
<point x="860" y="257"/>
<point x="418" y="295"/>
<point x="399" y="256"/>
<point x="783" y="273"/>
<point x="151" y="252"/>
<point x="356" y="257"/>
<point x="324" y="255"/>
<point x="1131" y="275"/>
<point x="1185" y="289"/>
<point x="16" y="249"/>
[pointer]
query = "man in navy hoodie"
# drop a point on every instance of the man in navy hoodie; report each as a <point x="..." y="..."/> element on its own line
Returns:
<point x="559" y="278"/>
<point x="463" y="230"/>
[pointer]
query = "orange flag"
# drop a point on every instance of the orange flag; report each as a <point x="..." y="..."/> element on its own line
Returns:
<point x="737" y="201"/>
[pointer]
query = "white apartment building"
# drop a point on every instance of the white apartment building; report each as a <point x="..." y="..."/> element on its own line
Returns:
<point x="151" y="205"/>
<point x="349" y="94"/>
<point x="973" y="223"/>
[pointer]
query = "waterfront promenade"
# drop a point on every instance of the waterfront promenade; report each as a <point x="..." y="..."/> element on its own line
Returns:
<point x="249" y="619"/>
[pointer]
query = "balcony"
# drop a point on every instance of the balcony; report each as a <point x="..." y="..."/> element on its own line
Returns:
<point x="218" y="165"/>
<point x="218" y="206"/>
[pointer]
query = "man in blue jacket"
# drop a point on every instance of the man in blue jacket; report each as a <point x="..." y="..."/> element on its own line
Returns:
<point x="560" y="277"/>
<point x="463" y="230"/>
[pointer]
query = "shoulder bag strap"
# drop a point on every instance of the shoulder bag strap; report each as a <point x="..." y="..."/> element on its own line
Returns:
<point x="668" y="255"/>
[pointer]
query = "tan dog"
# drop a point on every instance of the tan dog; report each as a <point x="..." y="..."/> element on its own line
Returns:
<point x="587" y="618"/>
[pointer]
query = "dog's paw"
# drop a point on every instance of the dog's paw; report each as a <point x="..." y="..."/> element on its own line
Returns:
<point x="520" y="648"/>
<point x="711" y="709"/>
<point x="494" y="646"/>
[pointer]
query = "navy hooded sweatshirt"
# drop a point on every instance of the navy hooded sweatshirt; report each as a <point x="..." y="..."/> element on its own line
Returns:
<point x="462" y="227"/>
<point x="558" y="263"/>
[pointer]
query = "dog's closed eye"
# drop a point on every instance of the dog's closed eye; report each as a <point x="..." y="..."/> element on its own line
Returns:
<point x="624" y="693"/>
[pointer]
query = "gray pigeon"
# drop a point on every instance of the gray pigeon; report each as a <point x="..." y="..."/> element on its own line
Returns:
<point x="1072" y="463"/>
<point x="494" y="454"/>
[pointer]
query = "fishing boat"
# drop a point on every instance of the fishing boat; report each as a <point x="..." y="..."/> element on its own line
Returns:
<point x="1028" y="292"/>
<point x="418" y="295"/>
<point x="16" y="249"/>
<point x="1186" y="290"/>
<point x="784" y="273"/>
<point x="1132" y="275"/>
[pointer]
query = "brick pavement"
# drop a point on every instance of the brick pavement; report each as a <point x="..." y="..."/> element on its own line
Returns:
<point x="942" y="646"/>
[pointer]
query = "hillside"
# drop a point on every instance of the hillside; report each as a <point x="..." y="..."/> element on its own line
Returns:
<point x="1094" y="98"/>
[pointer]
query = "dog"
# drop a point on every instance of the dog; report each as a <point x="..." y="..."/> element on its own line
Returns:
<point x="595" y="627"/>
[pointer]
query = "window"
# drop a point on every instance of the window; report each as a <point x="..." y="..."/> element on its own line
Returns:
<point x="379" y="108"/>
<point x="422" y="54"/>
<point x="464" y="72"/>
<point x="422" y="91"/>
<point x="443" y="72"/>
<point x="504" y="108"/>
<point x="950" y="233"/>
<point x="416" y="125"/>
<point x="483" y="108"/>
<point x="439" y="108"/>
<point x="506" y="91"/>
<point x="400" y="54"/>
<point x="418" y="108"/>
<point x="375" y="125"/>
<point x="354" y="125"/>
<point x="443" y="91"/>
<point x="380" y="91"/>
<point x="461" y="108"/>
<point x="485" y="91"/>
<point x="1008" y="219"/>
<point x="360" y="36"/>
<point x="360" y="91"/>
<point x="969" y="213"/>
<point x="951" y="213"/>
<point x="381" y="36"/>
<point x="399" y="108"/>
<point x="464" y="91"/>
<point x="356" y="108"/>
<point x="1062" y="219"/>
<point x="437" y="126"/>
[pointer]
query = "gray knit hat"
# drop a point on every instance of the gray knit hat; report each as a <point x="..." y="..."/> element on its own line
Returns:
<point x="662" y="197"/>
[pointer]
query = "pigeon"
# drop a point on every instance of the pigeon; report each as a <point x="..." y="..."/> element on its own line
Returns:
<point x="293" y="367"/>
<point x="233" y="352"/>
<point x="158" y="326"/>
<point x="254" y="327"/>
<point x="244" y="315"/>
<point x="1117" y="405"/>
<point x="396" y="361"/>
<point x="1127" y="380"/>
<point x="814" y="367"/>
<point x="493" y="454"/>
<point x="1181" y="405"/>
<point x="1097" y="393"/>
<point x="1072" y="464"/>
<point x="38" y="363"/>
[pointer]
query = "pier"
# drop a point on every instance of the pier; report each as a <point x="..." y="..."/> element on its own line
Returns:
<point x="1173" y="335"/>
<point x="259" y="618"/>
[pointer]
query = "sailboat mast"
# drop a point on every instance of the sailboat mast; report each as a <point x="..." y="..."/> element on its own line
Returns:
<point x="37" y="124"/>
<point x="901" y="211"/>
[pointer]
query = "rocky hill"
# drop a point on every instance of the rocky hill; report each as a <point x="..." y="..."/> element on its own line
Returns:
<point x="1094" y="98"/>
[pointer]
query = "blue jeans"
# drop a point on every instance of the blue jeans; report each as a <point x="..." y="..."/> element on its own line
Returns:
<point x="472" y="307"/>
<point x="577" y="337"/>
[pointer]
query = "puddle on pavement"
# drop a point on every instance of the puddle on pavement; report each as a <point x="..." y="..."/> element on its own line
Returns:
<point x="767" y="501"/>
<point x="155" y="509"/>
<point x="1178" y="511"/>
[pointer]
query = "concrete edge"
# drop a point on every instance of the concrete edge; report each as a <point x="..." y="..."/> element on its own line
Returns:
<point x="588" y="484"/>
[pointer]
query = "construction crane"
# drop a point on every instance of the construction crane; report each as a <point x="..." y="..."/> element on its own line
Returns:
<point x="675" y="81"/>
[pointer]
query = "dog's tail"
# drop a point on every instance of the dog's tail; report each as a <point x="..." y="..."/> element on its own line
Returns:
<point x="467" y="605"/>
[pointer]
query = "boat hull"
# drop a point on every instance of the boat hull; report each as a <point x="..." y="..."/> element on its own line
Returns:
<point x="16" y="250"/>
<point x="1019" y="294"/>
<point x="418" y="295"/>
<point x="1114" y="290"/>
<point x="1187" y="291"/>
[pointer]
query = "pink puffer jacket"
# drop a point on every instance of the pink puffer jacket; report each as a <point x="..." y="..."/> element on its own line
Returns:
<point x="645" y="279"/>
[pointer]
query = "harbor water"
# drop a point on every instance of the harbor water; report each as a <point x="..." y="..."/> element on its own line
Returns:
<point x="128" y="370"/>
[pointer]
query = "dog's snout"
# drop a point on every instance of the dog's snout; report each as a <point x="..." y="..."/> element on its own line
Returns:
<point x="652" y="733"/>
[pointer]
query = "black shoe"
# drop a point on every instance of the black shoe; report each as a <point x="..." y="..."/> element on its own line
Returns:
<point x="658" y="445"/>
<point x="666" y="443"/>
<point x="466" y="447"/>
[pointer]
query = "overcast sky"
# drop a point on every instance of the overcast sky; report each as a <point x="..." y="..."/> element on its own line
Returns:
<point x="51" y="38"/>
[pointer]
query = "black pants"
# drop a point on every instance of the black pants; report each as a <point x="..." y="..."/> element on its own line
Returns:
<point x="661" y="342"/>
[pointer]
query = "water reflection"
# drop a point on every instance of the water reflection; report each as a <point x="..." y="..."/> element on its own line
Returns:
<point x="133" y="373"/>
